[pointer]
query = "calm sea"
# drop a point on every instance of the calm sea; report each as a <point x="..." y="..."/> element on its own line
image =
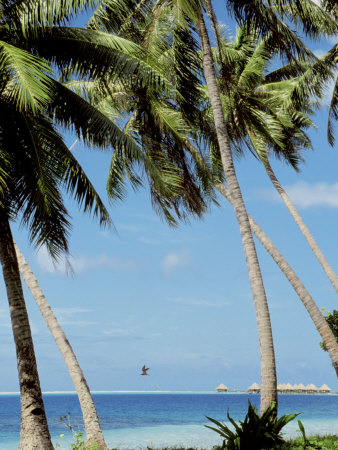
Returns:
<point x="160" y="419"/>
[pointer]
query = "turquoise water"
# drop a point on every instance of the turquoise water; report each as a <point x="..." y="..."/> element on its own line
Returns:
<point x="158" y="419"/>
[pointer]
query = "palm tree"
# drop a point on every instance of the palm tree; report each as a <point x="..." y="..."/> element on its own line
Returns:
<point x="35" y="164"/>
<point x="259" y="120"/>
<point x="35" y="159"/>
<point x="190" y="9"/>
<point x="89" y="413"/>
<point x="259" y="90"/>
<point x="310" y="83"/>
<point x="264" y="19"/>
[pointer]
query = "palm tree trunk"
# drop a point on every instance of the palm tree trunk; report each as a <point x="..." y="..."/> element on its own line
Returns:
<point x="303" y="228"/>
<point x="34" y="433"/>
<point x="267" y="355"/>
<point x="90" y="417"/>
<point x="310" y="305"/>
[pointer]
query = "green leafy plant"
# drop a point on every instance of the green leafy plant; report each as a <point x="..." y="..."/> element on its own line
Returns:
<point x="255" y="432"/>
<point x="309" y="443"/>
<point x="78" y="436"/>
<point x="332" y="320"/>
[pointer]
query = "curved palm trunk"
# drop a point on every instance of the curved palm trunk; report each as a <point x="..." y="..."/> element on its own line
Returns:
<point x="310" y="305"/>
<point x="34" y="433"/>
<point x="267" y="355"/>
<point x="303" y="228"/>
<point x="90" y="417"/>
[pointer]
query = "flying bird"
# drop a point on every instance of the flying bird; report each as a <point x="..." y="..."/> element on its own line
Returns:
<point x="144" y="370"/>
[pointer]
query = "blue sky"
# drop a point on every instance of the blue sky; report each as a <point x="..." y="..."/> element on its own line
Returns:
<point x="179" y="300"/>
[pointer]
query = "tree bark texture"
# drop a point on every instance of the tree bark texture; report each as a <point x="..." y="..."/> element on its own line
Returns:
<point x="90" y="417"/>
<point x="267" y="355"/>
<point x="303" y="228"/>
<point x="34" y="433"/>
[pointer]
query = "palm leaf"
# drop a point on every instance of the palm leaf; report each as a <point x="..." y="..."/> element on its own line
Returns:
<point x="28" y="85"/>
<point x="333" y="114"/>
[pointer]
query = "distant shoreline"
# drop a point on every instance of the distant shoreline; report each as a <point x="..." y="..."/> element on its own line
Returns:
<point x="172" y="392"/>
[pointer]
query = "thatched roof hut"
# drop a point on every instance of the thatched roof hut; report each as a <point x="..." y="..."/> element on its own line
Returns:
<point x="311" y="388"/>
<point x="221" y="388"/>
<point x="301" y="387"/>
<point x="289" y="388"/>
<point x="254" y="388"/>
<point x="324" y="388"/>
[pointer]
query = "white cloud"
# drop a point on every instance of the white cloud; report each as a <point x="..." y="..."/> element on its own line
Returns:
<point x="199" y="302"/>
<point x="306" y="195"/>
<point x="175" y="260"/>
<point x="80" y="263"/>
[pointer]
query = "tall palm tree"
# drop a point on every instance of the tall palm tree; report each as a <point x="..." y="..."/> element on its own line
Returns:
<point x="257" y="89"/>
<point x="310" y="83"/>
<point x="263" y="116"/>
<point x="192" y="10"/>
<point x="264" y="18"/>
<point x="89" y="413"/>
<point x="267" y="356"/>
<point x="30" y="99"/>
<point x="36" y="168"/>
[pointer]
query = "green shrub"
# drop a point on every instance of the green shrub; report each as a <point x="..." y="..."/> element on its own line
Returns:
<point x="255" y="432"/>
<point x="329" y="442"/>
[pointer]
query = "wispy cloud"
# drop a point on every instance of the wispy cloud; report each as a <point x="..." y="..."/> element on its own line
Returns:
<point x="70" y="311"/>
<point x="81" y="263"/>
<point x="72" y="316"/>
<point x="150" y="241"/>
<point x="129" y="332"/>
<point x="306" y="195"/>
<point x="200" y="302"/>
<point x="130" y="228"/>
<point x="175" y="260"/>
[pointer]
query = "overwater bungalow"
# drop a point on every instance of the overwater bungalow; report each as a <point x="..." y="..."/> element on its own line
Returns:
<point x="221" y="388"/>
<point x="324" y="389"/>
<point x="281" y="388"/>
<point x="254" y="388"/>
<point x="289" y="388"/>
<point x="311" y="389"/>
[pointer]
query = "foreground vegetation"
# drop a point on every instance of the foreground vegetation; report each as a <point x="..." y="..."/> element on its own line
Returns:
<point x="318" y="442"/>
<point x="253" y="433"/>
<point x="327" y="442"/>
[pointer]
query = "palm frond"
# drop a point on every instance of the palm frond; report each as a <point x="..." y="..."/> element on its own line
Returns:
<point x="28" y="86"/>
<point x="32" y="15"/>
<point x="93" y="54"/>
<point x="264" y="19"/>
<point x="33" y="190"/>
<point x="333" y="114"/>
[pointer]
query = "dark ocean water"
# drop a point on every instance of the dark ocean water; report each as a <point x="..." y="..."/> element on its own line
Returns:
<point x="132" y="420"/>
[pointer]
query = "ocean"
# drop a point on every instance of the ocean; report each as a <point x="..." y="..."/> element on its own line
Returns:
<point x="139" y="419"/>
